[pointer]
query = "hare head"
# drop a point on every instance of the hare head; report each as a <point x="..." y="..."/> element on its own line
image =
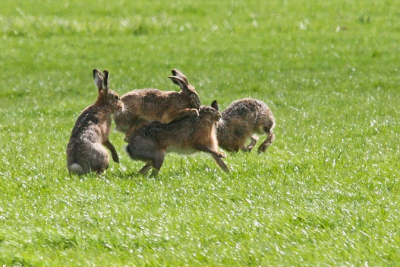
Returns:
<point x="209" y="114"/>
<point x="106" y="96"/>
<point x="187" y="89"/>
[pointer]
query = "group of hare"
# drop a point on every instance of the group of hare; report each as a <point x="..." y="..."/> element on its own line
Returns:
<point x="157" y="122"/>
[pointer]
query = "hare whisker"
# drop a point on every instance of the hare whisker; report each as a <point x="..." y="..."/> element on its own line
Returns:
<point x="126" y="111"/>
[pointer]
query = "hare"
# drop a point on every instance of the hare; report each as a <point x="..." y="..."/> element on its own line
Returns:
<point x="151" y="141"/>
<point x="156" y="105"/>
<point x="241" y="120"/>
<point x="85" y="151"/>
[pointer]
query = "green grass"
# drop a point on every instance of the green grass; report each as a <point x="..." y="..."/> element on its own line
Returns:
<point x="326" y="193"/>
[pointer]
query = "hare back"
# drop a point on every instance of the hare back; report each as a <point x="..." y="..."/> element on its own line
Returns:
<point x="244" y="108"/>
<point x="178" y="136"/>
<point x="93" y="124"/>
<point x="149" y="105"/>
<point x="249" y="112"/>
<point x="154" y="101"/>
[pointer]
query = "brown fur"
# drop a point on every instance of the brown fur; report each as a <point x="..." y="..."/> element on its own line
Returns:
<point x="151" y="141"/>
<point x="85" y="151"/>
<point x="241" y="120"/>
<point x="156" y="105"/>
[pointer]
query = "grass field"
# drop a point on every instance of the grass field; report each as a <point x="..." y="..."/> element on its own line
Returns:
<point x="326" y="193"/>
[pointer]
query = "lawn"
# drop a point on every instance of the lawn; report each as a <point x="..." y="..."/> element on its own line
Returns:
<point x="326" y="193"/>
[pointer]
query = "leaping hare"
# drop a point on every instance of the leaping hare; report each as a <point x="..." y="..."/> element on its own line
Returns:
<point x="156" y="105"/>
<point x="241" y="120"/>
<point x="151" y="141"/>
<point x="85" y="151"/>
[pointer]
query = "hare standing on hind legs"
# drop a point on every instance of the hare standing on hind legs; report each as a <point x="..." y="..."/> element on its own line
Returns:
<point x="241" y="120"/>
<point x="85" y="151"/>
<point x="156" y="105"/>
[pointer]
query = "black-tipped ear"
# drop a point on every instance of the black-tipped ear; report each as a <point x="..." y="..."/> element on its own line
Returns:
<point x="180" y="75"/>
<point x="173" y="80"/>
<point x="105" y="81"/>
<point x="98" y="79"/>
<point x="214" y="105"/>
<point x="95" y="71"/>
<point x="182" y="84"/>
<point x="188" y="90"/>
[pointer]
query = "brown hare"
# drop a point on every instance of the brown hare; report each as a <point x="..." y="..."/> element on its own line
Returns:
<point x="241" y="120"/>
<point x="85" y="151"/>
<point x="151" y="141"/>
<point x="156" y="105"/>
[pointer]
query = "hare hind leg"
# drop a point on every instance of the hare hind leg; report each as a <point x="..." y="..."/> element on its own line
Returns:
<point x="159" y="159"/>
<point x="156" y="163"/>
<point x="97" y="158"/>
<point x="145" y="168"/>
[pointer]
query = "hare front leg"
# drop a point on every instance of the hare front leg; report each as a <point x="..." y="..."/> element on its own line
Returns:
<point x="216" y="155"/>
<point x="171" y="116"/>
<point x="220" y="163"/>
<point x="110" y="146"/>
<point x="253" y="142"/>
<point x="266" y="143"/>
<point x="212" y="151"/>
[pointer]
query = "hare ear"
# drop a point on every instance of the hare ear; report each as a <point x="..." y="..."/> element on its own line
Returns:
<point x="180" y="75"/>
<point x="105" y="81"/>
<point x="187" y="90"/>
<point x="98" y="79"/>
<point x="182" y="84"/>
<point x="214" y="105"/>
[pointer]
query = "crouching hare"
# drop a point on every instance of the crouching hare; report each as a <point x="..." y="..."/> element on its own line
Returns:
<point x="241" y="120"/>
<point x="85" y="151"/>
<point x="151" y="141"/>
<point x="156" y="105"/>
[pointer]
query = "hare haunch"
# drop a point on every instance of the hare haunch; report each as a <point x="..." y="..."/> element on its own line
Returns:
<point x="150" y="142"/>
<point x="85" y="151"/>
<point x="241" y="120"/>
<point x="156" y="105"/>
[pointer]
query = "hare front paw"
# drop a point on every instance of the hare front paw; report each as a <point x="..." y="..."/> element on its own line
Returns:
<point x="195" y="112"/>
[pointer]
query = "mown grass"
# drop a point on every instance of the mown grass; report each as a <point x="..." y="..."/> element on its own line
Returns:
<point x="325" y="193"/>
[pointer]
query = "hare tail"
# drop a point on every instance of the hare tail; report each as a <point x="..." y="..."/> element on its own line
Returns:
<point x="75" y="168"/>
